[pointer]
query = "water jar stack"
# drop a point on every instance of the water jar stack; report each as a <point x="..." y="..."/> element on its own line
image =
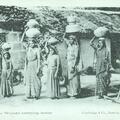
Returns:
<point x="32" y="32"/>
<point x="72" y="26"/>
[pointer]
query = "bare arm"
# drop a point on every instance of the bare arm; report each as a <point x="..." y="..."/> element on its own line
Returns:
<point x="58" y="63"/>
<point x="25" y="68"/>
<point x="92" y="43"/>
<point x="24" y="34"/>
<point x="65" y="39"/>
<point x="108" y="61"/>
<point x="77" y="56"/>
<point x="3" y="62"/>
<point x="25" y="63"/>
<point x="46" y="48"/>
<point x="38" y="56"/>
<point x="10" y="70"/>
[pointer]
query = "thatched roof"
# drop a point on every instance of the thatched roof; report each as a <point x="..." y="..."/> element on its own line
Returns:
<point x="55" y="19"/>
<point x="14" y="18"/>
<point x="89" y="19"/>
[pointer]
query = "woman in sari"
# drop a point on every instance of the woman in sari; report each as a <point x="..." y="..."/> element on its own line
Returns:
<point x="73" y="61"/>
<point x="102" y="67"/>
<point x="53" y="62"/>
<point x="32" y="66"/>
<point x="6" y="77"/>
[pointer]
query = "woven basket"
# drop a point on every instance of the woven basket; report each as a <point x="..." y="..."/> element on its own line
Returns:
<point x="32" y="32"/>
<point x="72" y="28"/>
<point x="32" y="23"/>
<point x="71" y="19"/>
<point x="101" y="31"/>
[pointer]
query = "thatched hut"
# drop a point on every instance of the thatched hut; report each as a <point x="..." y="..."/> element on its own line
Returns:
<point x="51" y="19"/>
<point x="91" y="20"/>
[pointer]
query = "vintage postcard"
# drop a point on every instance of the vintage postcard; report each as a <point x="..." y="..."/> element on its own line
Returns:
<point x="59" y="60"/>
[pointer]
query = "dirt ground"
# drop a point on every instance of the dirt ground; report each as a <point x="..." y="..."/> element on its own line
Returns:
<point x="88" y="106"/>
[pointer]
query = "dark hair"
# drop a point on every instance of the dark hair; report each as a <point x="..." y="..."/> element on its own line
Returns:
<point x="104" y="43"/>
<point x="34" y="42"/>
<point x="77" y="34"/>
<point x="53" y="48"/>
<point x="8" y="55"/>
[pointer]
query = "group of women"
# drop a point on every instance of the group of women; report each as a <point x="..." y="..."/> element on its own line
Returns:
<point x="32" y="69"/>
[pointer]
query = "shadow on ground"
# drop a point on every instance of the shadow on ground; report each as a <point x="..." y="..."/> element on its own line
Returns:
<point x="89" y="91"/>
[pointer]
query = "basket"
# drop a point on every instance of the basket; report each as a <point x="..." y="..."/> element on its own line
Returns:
<point x="72" y="28"/>
<point x="32" y="23"/>
<point x="101" y="32"/>
<point x="71" y="19"/>
<point x="32" y="32"/>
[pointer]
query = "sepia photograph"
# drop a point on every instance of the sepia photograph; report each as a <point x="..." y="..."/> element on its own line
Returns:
<point x="59" y="62"/>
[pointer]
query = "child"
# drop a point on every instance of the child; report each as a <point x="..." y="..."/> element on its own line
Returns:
<point x="6" y="77"/>
<point x="53" y="62"/>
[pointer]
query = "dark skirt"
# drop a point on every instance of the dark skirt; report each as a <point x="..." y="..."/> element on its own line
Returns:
<point x="102" y="83"/>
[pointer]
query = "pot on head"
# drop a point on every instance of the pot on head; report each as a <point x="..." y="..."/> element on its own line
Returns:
<point x="32" y="23"/>
<point x="32" y="32"/>
<point x="101" y="31"/>
<point x="72" y="28"/>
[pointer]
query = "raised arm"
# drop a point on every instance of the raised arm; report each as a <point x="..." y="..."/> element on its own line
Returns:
<point x="92" y="43"/>
<point x="23" y="35"/>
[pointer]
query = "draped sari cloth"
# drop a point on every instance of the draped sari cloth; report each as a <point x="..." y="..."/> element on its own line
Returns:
<point x="73" y="76"/>
<point x="102" y="71"/>
<point x="6" y="79"/>
<point x="33" y="83"/>
<point x="53" y="87"/>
